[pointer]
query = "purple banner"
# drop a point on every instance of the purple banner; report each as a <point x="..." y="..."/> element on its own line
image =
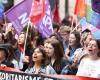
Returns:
<point x="45" y="25"/>
<point x="19" y="15"/>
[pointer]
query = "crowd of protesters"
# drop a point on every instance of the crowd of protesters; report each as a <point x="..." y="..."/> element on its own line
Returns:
<point x="64" y="52"/>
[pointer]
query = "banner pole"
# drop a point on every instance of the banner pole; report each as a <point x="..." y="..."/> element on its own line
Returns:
<point x="5" y="20"/>
<point x="26" y="35"/>
<point x="76" y="26"/>
<point x="72" y="22"/>
<point x="5" y="25"/>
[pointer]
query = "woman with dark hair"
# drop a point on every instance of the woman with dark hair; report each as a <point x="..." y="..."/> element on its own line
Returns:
<point x="38" y="65"/>
<point x="12" y="57"/>
<point x="4" y="52"/>
<point x="55" y="54"/>
<point x="90" y="64"/>
<point x="74" y="43"/>
<point x="24" y="57"/>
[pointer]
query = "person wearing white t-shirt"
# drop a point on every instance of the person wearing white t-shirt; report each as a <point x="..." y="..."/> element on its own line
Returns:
<point x="90" y="64"/>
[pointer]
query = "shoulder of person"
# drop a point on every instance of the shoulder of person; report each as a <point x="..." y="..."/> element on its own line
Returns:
<point x="79" y="50"/>
<point x="8" y="64"/>
<point x="48" y="67"/>
<point x="29" y="70"/>
<point x="84" y="57"/>
<point x="50" y="70"/>
<point x="64" y="61"/>
<point x="14" y="61"/>
<point x="98" y="59"/>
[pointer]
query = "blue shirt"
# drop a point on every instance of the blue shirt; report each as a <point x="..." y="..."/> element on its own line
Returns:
<point x="71" y="55"/>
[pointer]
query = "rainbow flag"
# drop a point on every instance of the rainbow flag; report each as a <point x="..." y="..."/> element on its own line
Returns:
<point x="85" y="25"/>
<point x="80" y="8"/>
<point x="91" y="16"/>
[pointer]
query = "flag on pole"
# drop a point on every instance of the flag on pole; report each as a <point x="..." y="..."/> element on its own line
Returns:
<point x="44" y="26"/>
<point x="85" y="25"/>
<point x="19" y="15"/>
<point x="37" y="10"/>
<point x="91" y="16"/>
<point x="55" y="12"/>
<point x="80" y="8"/>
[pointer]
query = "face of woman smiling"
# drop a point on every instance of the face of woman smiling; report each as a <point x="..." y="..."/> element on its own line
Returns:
<point x="37" y="55"/>
<point x="93" y="48"/>
<point x="72" y="40"/>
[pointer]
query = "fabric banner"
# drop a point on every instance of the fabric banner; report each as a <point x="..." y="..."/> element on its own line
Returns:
<point x="55" y="13"/>
<point x="96" y="5"/>
<point x="44" y="26"/>
<point x="2" y="8"/>
<point x="19" y="15"/>
<point x="1" y="11"/>
<point x="85" y="25"/>
<point x="37" y="10"/>
<point x="80" y="8"/>
<point x="13" y="74"/>
<point x="91" y="16"/>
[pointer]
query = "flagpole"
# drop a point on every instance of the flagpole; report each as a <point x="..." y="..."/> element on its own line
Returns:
<point x="26" y="35"/>
<point x="72" y="22"/>
<point x="5" y="20"/>
<point x="76" y="20"/>
<point x="5" y="25"/>
<point x="78" y="23"/>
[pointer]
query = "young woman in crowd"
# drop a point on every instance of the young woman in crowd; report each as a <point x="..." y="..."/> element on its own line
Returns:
<point x="85" y="39"/>
<point x="4" y="56"/>
<point x="89" y="65"/>
<point x="38" y="64"/>
<point x="12" y="57"/>
<point x="55" y="54"/>
<point x="74" y="43"/>
<point x="24" y="57"/>
<point x="64" y="32"/>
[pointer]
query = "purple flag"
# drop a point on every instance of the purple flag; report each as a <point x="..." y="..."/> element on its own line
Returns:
<point x="91" y="16"/>
<point x="19" y="14"/>
<point x="85" y="25"/>
<point x="44" y="26"/>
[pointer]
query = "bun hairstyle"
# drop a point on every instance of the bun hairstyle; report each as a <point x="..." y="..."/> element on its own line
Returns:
<point x="5" y="48"/>
<point x="6" y="52"/>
